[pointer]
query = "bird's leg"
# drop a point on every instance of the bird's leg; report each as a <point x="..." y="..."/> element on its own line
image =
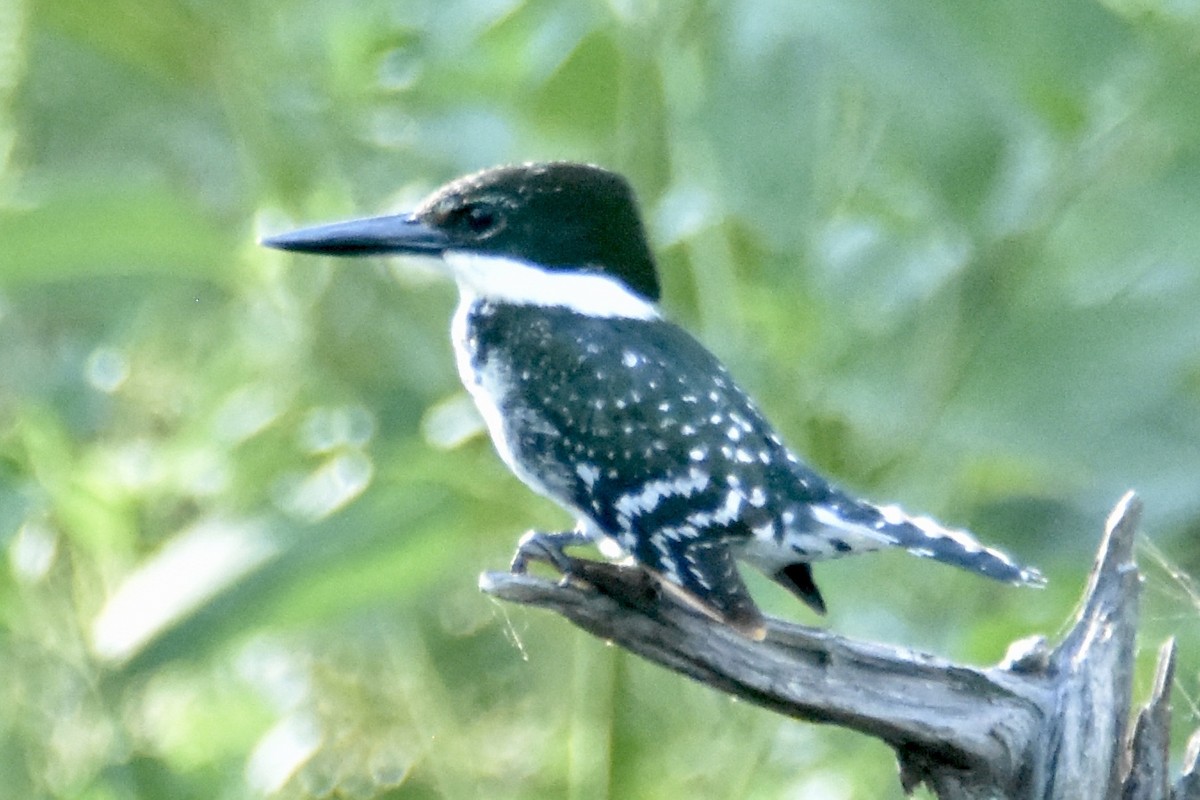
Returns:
<point x="547" y="548"/>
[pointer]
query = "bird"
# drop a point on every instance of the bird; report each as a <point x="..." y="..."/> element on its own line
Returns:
<point x="595" y="400"/>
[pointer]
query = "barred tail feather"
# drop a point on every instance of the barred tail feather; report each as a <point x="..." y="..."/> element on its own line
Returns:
<point x="855" y="526"/>
<point x="925" y="537"/>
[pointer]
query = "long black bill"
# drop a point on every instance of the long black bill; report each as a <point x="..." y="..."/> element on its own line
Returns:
<point x="399" y="233"/>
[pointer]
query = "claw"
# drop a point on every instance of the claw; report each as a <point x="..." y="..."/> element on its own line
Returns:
<point x="547" y="548"/>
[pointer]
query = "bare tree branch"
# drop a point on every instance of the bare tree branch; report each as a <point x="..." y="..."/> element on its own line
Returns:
<point x="1092" y="670"/>
<point x="1188" y="785"/>
<point x="1147" y="760"/>
<point x="1043" y="724"/>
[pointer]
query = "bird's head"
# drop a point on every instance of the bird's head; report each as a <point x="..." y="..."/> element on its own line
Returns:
<point x="541" y="224"/>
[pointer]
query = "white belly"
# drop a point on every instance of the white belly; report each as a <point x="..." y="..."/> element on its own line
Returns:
<point x="486" y="385"/>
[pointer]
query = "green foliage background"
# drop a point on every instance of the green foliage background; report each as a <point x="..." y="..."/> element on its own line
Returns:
<point x="952" y="247"/>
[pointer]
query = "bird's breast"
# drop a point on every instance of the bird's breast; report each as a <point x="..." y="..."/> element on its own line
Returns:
<point x="497" y="358"/>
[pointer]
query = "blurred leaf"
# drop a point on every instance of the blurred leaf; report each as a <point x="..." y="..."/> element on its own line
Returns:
<point x="163" y="39"/>
<point x="378" y="551"/>
<point x="116" y="231"/>
<point x="581" y="96"/>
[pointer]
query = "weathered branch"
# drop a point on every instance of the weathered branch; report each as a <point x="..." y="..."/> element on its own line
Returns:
<point x="1188" y="785"/>
<point x="1147" y="760"/>
<point x="1041" y="725"/>
<point x="1093" y="671"/>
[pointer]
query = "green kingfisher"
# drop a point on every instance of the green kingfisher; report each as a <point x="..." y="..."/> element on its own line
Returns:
<point x="596" y="401"/>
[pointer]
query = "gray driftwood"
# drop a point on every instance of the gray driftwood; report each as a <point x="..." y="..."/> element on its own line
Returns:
<point x="1048" y="722"/>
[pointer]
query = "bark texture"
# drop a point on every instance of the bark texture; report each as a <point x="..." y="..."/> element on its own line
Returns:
<point x="1048" y="723"/>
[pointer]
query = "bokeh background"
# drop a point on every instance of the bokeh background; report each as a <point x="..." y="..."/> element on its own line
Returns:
<point x="953" y="248"/>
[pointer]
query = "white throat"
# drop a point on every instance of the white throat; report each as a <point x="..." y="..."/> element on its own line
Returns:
<point x="507" y="279"/>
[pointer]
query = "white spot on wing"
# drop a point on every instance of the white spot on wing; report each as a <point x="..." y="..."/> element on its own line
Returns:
<point x="728" y="512"/>
<point x="588" y="473"/>
<point x="696" y="574"/>
<point x="635" y="503"/>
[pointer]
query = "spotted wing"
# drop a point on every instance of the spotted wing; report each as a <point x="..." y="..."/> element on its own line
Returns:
<point x="633" y="424"/>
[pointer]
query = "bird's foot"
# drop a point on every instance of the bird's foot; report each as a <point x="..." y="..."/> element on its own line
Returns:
<point x="548" y="548"/>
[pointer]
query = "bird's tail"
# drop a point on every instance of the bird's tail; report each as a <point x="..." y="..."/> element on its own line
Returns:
<point x="922" y="536"/>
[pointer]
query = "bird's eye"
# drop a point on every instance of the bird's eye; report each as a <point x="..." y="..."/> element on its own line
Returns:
<point x="481" y="218"/>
